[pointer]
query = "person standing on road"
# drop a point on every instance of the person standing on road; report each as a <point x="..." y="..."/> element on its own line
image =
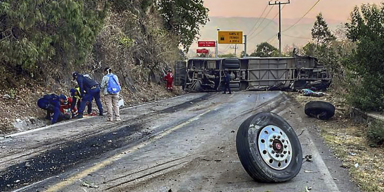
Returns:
<point x="227" y="79"/>
<point x="111" y="86"/>
<point x="89" y="90"/>
<point x="169" y="79"/>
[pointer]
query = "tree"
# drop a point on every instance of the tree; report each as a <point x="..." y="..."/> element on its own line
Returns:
<point x="265" y="50"/>
<point x="183" y="18"/>
<point x="366" y="62"/>
<point x="320" y="31"/>
<point x="310" y="49"/>
<point x="227" y="55"/>
<point x="35" y="34"/>
<point x="243" y="54"/>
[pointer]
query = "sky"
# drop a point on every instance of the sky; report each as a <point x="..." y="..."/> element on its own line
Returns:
<point x="332" y="10"/>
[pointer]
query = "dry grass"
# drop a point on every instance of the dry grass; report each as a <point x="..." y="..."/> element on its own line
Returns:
<point x="349" y="143"/>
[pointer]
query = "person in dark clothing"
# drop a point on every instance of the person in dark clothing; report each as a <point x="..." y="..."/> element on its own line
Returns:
<point x="75" y="94"/>
<point x="51" y="103"/>
<point x="227" y="79"/>
<point x="89" y="90"/>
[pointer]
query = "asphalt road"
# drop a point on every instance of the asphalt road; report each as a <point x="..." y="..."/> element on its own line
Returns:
<point x="186" y="143"/>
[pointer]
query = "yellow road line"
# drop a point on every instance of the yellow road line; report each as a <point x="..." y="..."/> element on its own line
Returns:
<point x="116" y="157"/>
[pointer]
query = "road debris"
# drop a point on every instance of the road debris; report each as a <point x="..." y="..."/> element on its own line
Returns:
<point x="88" y="185"/>
<point x="308" y="158"/>
<point x="352" y="154"/>
<point x="308" y="92"/>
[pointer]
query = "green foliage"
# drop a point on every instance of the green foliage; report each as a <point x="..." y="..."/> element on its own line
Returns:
<point x="228" y="55"/>
<point x="145" y="4"/>
<point x="183" y="19"/>
<point x="243" y="54"/>
<point x="265" y="50"/>
<point x="366" y="62"/>
<point x="127" y="42"/>
<point x="320" y="31"/>
<point x="375" y="132"/>
<point x="35" y="33"/>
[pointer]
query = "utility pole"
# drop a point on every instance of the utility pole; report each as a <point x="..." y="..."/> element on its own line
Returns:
<point x="245" y="45"/>
<point x="217" y="44"/>
<point x="235" y="47"/>
<point x="279" y="34"/>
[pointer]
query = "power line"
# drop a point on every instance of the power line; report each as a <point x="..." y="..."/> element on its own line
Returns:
<point x="302" y="16"/>
<point x="262" y="21"/>
<point x="266" y="25"/>
<point x="274" y="35"/>
<point x="258" y="21"/>
<point x="298" y="37"/>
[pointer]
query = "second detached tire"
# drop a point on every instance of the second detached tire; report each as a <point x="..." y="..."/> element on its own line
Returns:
<point x="320" y="109"/>
<point x="269" y="148"/>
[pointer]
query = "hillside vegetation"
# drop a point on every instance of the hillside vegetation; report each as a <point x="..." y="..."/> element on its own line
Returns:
<point x="43" y="42"/>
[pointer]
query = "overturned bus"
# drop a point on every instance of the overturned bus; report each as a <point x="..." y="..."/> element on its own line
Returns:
<point x="252" y="73"/>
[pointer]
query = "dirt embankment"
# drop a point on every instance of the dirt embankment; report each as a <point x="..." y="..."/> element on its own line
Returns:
<point x="348" y="141"/>
<point x="132" y="43"/>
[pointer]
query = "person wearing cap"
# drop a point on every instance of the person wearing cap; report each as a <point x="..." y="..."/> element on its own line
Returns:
<point x="169" y="79"/>
<point x="89" y="90"/>
<point x="111" y="99"/>
<point x="51" y="103"/>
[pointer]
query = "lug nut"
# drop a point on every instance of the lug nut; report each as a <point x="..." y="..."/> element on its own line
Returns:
<point x="278" y="137"/>
<point x="273" y="152"/>
<point x="274" y="136"/>
<point x="285" y="146"/>
<point x="270" y="146"/>
<point x="277" y="155"/>
<point x="283" y="140"/>
<point x="285" y="152"/>
<point x="271" y="140"/>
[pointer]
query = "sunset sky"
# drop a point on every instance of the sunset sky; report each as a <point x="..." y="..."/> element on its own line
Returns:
<point x="333" y="10"/>
<point x="235" y="14"/>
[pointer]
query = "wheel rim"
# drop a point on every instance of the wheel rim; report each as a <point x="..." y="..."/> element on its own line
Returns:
<point x="275" y="147"/>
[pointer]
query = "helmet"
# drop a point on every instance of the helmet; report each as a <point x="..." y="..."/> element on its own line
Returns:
<point x="74" y="75"/>
<point x="63" y="97"/>
<point x="73" y="92"/>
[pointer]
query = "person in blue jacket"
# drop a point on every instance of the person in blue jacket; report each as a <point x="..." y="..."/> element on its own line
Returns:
<point x="227" y="80"/>
<point x="89" y="90"/>
<point x="51" y="103"/>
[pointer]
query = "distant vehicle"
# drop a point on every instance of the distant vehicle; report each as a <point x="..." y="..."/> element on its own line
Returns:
<point x="252" y="73"/>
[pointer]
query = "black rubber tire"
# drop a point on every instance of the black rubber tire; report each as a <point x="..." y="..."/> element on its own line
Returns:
<point x="231" y="63"/>
<point x="234" y="85"/>
<point x="249" y="154"/>
<point x="320" y="109"/>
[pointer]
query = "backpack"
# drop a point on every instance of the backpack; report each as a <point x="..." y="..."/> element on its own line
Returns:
<point x="113" y="87"/>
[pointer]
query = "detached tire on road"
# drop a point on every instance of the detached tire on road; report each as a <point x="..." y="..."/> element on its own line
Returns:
<point x="269" y="148"/>
<point x="320" y="109"/>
